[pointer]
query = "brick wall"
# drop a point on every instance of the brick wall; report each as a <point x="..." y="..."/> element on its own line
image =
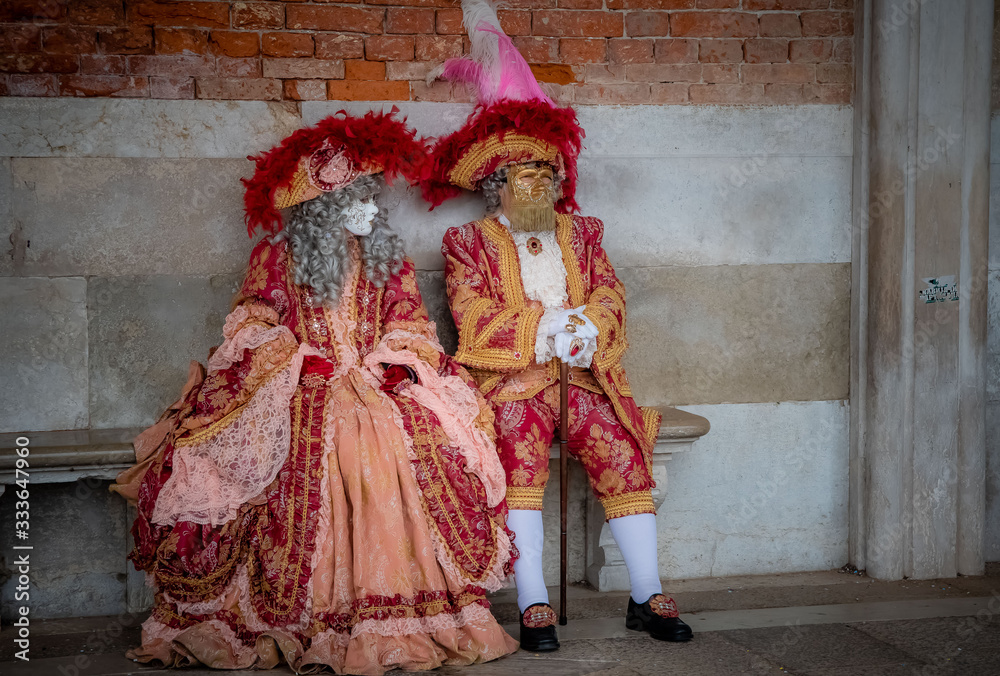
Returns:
<point x="593" y="51"/>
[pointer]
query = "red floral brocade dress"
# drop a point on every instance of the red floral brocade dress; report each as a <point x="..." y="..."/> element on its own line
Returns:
<point x="289" y="509"/>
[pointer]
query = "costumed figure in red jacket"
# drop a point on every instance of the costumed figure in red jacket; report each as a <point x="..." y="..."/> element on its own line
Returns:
<point x="328" y="493"/>
<point x="530" y="285"/>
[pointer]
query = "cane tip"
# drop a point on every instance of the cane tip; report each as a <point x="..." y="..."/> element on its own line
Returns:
<point x="562" y="621"/>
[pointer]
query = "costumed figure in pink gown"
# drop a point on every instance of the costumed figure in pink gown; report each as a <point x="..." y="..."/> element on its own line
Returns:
<point x="328" y="492"/>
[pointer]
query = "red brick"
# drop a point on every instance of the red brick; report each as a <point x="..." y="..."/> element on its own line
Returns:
<point x="827" y="93"/>
<point x="556" y="73"/>
<point x="676" y="51"/>
<point x="360" y="90"/>
<point x="713" y="24"/>
<point x="286" y="45"/>
<point x="538" y="50"/>
<point x="171" y="87"/>
<point x="20" y="38"/>
<point x="718" y="4"/>
<point x="766" y="50"/>
<point x="438" y="47"/>
<point x="171" y="65"/>
<point x="303" y="69"/>
<point x="407" y="70"/>
<point x="104" y="85"/>
<point x="102" y="64"/>
<point x="672" y="92"/>
<point x="180" y="41"/>
<point x="409" y="20"/>
<point x="407" y="3"/>
<point x="245" y="89"/>
<point x="33" y="85"/>
<point x="69" y="40"/>
<point x="339" y="46"/>
<point x="581" y="4"/>
<point x="583" y="24"/>
<point x="603" y="73"/>
<point x="4" y="88"/>
<point x="38" y="63"/>
<point x="658" y="72"/>
<point x="256" y="15"/>
<point x="231" y="66"/>
<point x="656" y="4"/>
<point x="780" y="25"/>
<point x="810" y="51"/>
<point x="720" y="72"/>
<point x="843" y="50"/>
<point x="726" y="93"/>
<point x="351" y="19"/>
<point x="32" y="10"/>
<point x="235" y="43"/>
<point x="785" y="4"/>
<point x="841" y="4"/>
<point x="529" y="4"/>
<point x="627" y="50"/>
<point x="720" y="51"/>
<point x="436" y="91"/>
<point x="131" y="40"/>
<point x="304" y="90"/>
<point x="96" y="12"/>
<point x="783" y="94"/>
<point x="583" y="50"/>
<point x="364" y="70"/>
<point x="612" y="93"/>
<point x="389" y="48"/>
<point x="827" y="23"/>
<point x="838" y="73"/>
<point x="647" y="23"/>
<point x="515" y="22"/>
<point x="179" y="13"/>
<point x="778" y="72"/>
<point x="449" y="22"/>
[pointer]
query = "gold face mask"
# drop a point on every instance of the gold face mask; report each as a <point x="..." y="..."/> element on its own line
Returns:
<point x="530" y="198"/>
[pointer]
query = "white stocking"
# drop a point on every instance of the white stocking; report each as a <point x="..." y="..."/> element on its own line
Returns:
<point x="528" y="537"/>
<point x="636" y="538"/>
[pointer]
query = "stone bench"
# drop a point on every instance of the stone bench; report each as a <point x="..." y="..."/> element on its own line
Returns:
<point x="99" y="455"/>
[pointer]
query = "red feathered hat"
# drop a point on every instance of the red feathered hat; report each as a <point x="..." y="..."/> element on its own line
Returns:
<point x="328" y="156"/>
<point x="514" y="122"/>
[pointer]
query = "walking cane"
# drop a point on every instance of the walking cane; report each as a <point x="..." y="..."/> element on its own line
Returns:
<point x="563" y="482"/>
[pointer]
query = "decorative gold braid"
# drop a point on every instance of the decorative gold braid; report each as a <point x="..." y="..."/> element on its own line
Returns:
<point x="639" y="502"/>
<point x="651" y="419"/>
<point x="472" y="165"/>
<point x="574" y="279"/>
<point x="526" y="497"/>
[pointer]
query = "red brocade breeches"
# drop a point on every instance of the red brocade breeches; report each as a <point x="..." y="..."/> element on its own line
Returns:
<point x="609" y="454"/>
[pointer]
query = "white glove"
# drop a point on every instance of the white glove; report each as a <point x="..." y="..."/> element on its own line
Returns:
<point x="564" y="344"/>
<point x="586" y="331"/>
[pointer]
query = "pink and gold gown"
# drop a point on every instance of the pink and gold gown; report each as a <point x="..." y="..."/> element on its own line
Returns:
<point x="291" y="510"/>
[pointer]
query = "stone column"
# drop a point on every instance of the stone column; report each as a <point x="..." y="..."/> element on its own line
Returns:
<point x="921" y="197"/>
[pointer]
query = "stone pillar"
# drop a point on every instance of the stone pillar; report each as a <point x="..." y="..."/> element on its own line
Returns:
<point x="921" y="197"/>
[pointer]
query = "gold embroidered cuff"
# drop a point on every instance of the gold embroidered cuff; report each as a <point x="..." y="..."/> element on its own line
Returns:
<point x="640" y="502"/>
<point x="528" y="497"/>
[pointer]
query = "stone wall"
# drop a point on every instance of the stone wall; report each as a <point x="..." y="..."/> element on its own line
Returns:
<point x="730" y="227"/>
<point x="993" y="355"/>
<point x="590" y="51"/>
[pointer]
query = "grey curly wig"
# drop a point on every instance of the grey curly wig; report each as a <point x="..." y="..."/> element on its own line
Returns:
<point x="318" y="241"/>
<point x="493" y="184"/>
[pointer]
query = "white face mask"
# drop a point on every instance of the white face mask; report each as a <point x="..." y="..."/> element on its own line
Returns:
<point x="360" y="216"/>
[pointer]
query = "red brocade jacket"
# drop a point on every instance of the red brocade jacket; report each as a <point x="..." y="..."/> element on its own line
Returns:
<point x="497" y="325"/>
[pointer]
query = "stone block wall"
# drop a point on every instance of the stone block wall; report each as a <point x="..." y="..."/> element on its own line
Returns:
<point x="590" y="51"/>
<point x="729" y="225"/>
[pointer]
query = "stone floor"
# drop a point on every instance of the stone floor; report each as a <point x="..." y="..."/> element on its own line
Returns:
<point x="816" y="624"/>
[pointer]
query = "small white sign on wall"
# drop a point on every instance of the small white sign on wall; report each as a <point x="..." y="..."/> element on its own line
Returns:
<point x="939" y="289"/>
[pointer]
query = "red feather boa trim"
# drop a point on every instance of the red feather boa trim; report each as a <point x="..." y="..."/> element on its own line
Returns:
<point x="376" y="138"/>
<point x="555" y="125"/>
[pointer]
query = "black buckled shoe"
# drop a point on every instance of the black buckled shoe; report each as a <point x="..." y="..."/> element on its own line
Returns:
<point x="658" y="616"/>
<point x="538" y="628"/>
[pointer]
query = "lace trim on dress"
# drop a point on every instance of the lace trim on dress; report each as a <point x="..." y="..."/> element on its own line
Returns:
<point x="397" y="626"/>
<point x="212" y="478"/>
